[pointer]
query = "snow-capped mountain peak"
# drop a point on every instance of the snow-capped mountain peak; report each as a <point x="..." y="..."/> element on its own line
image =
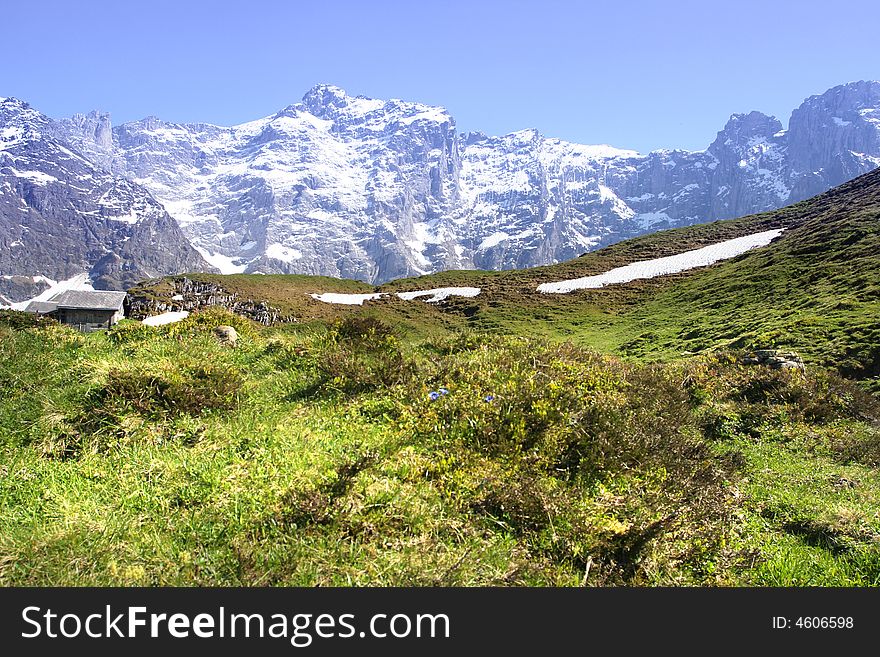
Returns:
<point x="374" y="189"/>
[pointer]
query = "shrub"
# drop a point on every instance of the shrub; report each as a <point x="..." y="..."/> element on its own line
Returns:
<point x="127" y="331"/>
<point x="316" y="506"/>
<point x="815" y="396"/>
<point x="857" y="444"/>
<point x="362" y="354"/>
<point x="525" y="430"/>
<point x="206" y="320"/>
<point x="458" y="341"/>
<point x="18" y="320"/>
<point x="361" y="330"/>
<point x="516" y="501"/>
<point x="194" y="390"/>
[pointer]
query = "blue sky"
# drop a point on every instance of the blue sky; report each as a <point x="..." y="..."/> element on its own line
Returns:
<point x="635" y="74"/>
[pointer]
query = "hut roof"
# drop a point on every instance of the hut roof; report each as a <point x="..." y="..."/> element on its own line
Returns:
<point x="89" y="300"/>
<point x="41" y="307"/>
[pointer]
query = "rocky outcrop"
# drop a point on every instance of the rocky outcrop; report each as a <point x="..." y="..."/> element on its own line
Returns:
<point x="96" y="136"/>
<point x="185" y="294"/>
<point x="20" y="288"/>
<point x="775" y="359"/>
<point x="833" y="138"/>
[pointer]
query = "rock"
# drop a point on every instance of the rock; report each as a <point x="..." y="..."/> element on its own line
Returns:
<point x="226" y="334"/>
<point x="839" y="481"/>
<point x="775" y="359"/>
<point x="192" y="295"/>
<point x="19" y="288"/>
<point x="832" y="136"/>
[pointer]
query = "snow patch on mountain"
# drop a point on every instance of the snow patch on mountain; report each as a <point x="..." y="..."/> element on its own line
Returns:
<point x="346" y="299"/>
<point x="434" y="295"/>
<point x="282" y="253"/>
<point x="667" y="265"/>
<point x="224" y="264"/>
<point x="36" y="177"/>
<point x="493" y="240"/>
<point x="440" y="293"/>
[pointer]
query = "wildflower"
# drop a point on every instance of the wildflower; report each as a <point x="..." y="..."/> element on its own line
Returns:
<point x="443" y="391"/>
<point x="434" y="395"/>
<point x="489" y="398"/>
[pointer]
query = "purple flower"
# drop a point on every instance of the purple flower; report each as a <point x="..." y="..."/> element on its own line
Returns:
<point x="434" y="395"/>
<point x="489" y="398"/>
<point x="443" y="391"/>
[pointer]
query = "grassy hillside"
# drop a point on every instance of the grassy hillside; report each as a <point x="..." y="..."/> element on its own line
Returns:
<point x="815" y="289"/>
<point x="603" y="437"/>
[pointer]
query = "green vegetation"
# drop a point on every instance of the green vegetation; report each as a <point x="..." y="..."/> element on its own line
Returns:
<point x="314" y="454"/>
<point x="603" y="437"/>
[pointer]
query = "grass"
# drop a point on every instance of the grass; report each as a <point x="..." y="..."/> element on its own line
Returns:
<point x="816" y="290"/>
<point x="327" y="463"/>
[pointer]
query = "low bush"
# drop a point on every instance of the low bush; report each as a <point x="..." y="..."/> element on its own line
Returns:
<point x="755" y="401"/>
<point x="458" y="341"/>
<point x="360" y="354"/>
<point x="18" y="320"/>
<point x="127" y="332"/>
<point x="134" y="403"/>
<point x="525" y="434"/>
<point x="206" y="320"/>
<point x="317" y="506"/>
<point x="365" y="331"/>
<point x="193" y="389"/>
<point x="857" y="445"/>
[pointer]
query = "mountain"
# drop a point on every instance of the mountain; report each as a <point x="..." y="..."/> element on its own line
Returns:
<point x="336" y="185"/>
<point x="374" y="190"/>
<point x="62" y="216"/>
<point x="369" y="189"/>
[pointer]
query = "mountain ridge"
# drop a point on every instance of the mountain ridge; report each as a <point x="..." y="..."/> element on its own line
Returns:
<point x="376" y="190"/>
<point x="63" y="216"/>
<point x="408" y="194"/>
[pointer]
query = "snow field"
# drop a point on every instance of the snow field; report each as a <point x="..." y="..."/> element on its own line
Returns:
<point x="667" y="265"/>
<point x="436" y="294"/>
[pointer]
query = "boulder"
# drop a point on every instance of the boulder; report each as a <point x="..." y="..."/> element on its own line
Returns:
<point x="226" y="335"/>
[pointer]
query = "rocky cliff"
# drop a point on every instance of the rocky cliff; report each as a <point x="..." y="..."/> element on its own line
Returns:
<point x="184" y="294"/>
<point x="61" y="215"/>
